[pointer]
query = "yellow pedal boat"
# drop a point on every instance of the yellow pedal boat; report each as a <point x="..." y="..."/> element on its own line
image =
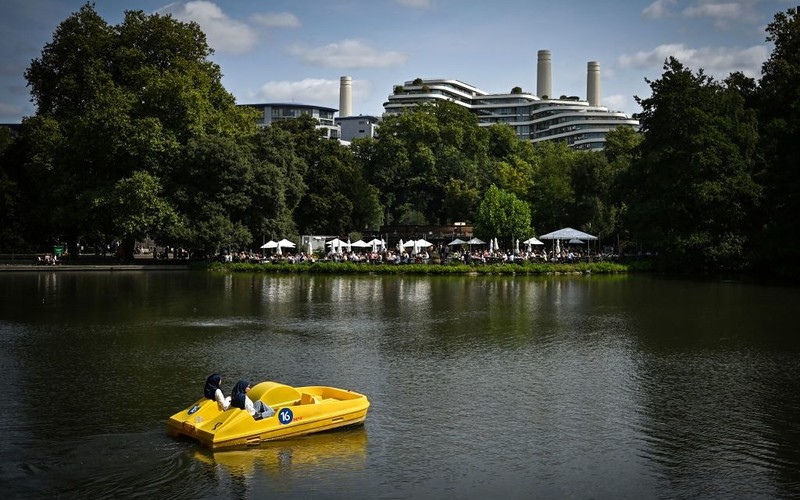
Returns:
<point x="298" y="411"/>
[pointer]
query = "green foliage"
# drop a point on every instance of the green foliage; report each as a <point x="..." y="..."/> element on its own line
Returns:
<point x="115" y="100"/>
<point x="337" y="198"/>
<point x="502" y="215"/>
<point x="778" y="101"/>
<point x="553" y="195"/>
<point x="691" y="192"/>
<point x="419" y="152"/>
<point x="139" y="209"/>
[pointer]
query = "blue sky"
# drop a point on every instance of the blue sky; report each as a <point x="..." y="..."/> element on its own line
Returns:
<point x="296" y="51"/>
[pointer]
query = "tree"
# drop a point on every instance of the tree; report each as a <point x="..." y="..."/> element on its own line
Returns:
<point x="502" y="215"/>
<point x="691" y="191"/>
<point x="114" y="100"/>
<point x="417" y="155"/>
<point x="778" y="101"/>
<point x="336" y="198"/>
<point x="139" y="208"/>
<point x="553" y="196"/>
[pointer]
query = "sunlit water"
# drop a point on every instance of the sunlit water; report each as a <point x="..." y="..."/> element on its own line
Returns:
<point x="480" y="387"/>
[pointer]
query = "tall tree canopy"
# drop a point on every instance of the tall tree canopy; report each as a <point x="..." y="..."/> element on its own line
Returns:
<point x="691" y="192"/>
<point x="115" y="100"/>
<point x="419" y="155"/>
<point x="778" y="98"/>
<point x="504" y="216"/>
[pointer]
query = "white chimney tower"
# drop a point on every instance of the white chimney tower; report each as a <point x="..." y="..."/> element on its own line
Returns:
<point x="593" y="83"/>
<point x="543" y="76"/>
<point x="345" y="96"/>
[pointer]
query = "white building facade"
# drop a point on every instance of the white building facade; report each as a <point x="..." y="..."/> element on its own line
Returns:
<point x="582" y="124"/>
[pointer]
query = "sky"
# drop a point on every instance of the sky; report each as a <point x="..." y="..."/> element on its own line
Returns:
<point x="297" y="50"/>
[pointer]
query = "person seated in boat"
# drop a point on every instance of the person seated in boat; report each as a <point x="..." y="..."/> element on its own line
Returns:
<point x="239" y="399"/>
<point x="213" y="391"/>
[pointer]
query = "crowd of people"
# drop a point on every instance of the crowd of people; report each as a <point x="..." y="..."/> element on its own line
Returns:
<point x="436" y="253"/>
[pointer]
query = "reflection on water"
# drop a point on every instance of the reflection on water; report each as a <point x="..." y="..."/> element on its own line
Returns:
<point x="578" y="386"/>
<point x="276" y="465"/>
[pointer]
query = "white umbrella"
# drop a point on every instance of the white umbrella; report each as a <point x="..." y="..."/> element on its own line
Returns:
<point x="400" y="245"/>
<point x="517" y="245"/>
<point x="278" y="250"/>
<point x="309" y="248"/>
<point x="423" y="243"/>
<point x="533" y="241"/>
<point x="567" y="234"/>
<point x="491" y="245"/>
<point x="270" y="244"/>
<point x="456" y="241"/>
<point x="361" y="244"/>
<point x="286" y="244"/>
<point x="496" y="246"/>
<point x="476" y="241"/>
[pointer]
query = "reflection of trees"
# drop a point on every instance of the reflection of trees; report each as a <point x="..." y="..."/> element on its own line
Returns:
<point x="719" y="390"/>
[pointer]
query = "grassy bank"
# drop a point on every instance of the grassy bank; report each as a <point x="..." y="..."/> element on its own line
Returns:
<point x="429" y="269"/>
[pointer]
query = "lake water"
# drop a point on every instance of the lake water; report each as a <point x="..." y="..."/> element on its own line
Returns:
<point x="480" y="387"/>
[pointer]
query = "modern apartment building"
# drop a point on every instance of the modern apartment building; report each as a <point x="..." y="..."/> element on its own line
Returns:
<point x="583" y="124"/>
<point x="273" y="112"/>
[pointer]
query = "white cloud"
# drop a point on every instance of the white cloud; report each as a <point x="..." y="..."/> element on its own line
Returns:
<point x="348" y="54"/>
<point x="715" y="10"/>
<point x="658" y="9"/>
<point x="223" y="33"/>
<point x="715" y="61"/>
<point x="615" y="102"/>
<point x="416" y="4"/>
<point x="308" y="91"/>
<point x="277" y="20"/>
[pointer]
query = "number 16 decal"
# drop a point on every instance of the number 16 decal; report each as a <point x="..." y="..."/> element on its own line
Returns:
<point x="285" y="416"/>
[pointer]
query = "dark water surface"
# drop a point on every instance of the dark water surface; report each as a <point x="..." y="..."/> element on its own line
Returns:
<point x="481" y="387"/>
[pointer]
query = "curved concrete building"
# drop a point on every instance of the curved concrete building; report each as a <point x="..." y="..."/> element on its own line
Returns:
<point x="580" y="124"/>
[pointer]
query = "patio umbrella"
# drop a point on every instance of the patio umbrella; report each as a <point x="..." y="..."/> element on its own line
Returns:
<point x="533" y="241"/>
<point x="286" y="244"/>
<point x="456" y="241"/>
<point x="517" y="246"/>
<point x="475" y="241"/>
<point x="496" y="246"/>
<point x="423" y="243"/>
<point x="567" y="234"/>
<point x="270" y="244"/>
<point x="575" y="241"/>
